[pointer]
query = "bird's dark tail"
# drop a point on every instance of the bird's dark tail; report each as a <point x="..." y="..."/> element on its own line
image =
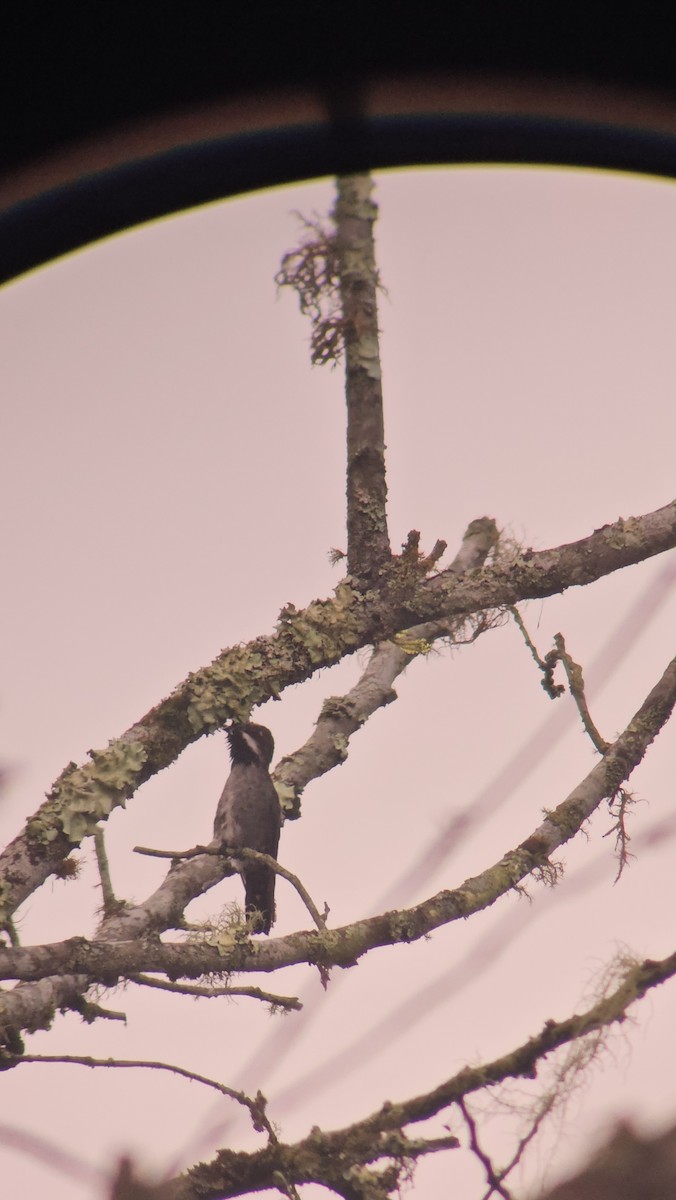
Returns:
<point x="259" y="887"/>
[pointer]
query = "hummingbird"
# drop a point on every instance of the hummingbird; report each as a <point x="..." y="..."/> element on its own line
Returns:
<point x="248" y="816"/>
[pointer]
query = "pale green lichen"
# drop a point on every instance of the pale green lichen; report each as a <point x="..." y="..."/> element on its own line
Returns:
<point x="244" y="676"/>
<point x="224" y="933"/>
<point x="226" y="690"/>
<point x="341" y="744"/>
<point x="624" y="534"/>
<point x="410" y="645"/>
<point x="365" y="1183"/>
<point x="366" y="354"/>
<point x="83" y="796"/>
<point x="5" y="900"/>
<point x="222" y="940"/>
<point x="403" y="927"/>
<point x="325" y="629"/>
<point x="287" y="796"/>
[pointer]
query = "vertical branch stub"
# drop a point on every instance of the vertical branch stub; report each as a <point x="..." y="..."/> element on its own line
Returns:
<point x="367" y="537"/>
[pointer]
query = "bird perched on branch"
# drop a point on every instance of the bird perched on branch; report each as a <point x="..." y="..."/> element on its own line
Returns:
<point x="248" y="816"/>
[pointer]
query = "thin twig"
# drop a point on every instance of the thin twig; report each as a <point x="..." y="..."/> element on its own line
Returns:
<point x="256" y="1106"/>
<point x="194" y="989"/>
<point x="550" y="1102"/>
<point x="90" y="1012"/>
<point x="494" y="1183"/>
<point x="573" y="674"/>
<point x="194" y="852"/>
<point x="576" y="683"/>
<point x="256" y="856"/>
<point x="546" y="664"/>
<point x="268" y="861"/>
<point x="618" y="806"/>
<point x="110" y="903"/>
<point x="518" y="620"/>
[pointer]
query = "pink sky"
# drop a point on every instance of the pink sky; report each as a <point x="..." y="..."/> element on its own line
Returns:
<point x="174" y="475"/>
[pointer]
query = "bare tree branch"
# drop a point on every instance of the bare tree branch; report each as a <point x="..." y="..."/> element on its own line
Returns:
<point x="576" y="684"/>
<point x="254" y="856"/>
<point x="290" y="1003"/>
<point x="495" y="1185"/>
<point x="256" y="1107"/>
<point x="546" y="664"/>
<point x="110" y="904"/>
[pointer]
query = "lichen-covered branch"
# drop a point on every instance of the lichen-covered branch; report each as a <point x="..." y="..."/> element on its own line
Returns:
<point x="368" y="546"/>
<point x="106" y="962"/>
<point x="242" y="677"/>
<point x="342" y="716"/>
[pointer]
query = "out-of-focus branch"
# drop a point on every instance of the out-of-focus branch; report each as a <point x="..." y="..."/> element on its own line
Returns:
<point x="51" y="1154"/>
<point x="629" y="1167"/>
<point x="368" y="546"/>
